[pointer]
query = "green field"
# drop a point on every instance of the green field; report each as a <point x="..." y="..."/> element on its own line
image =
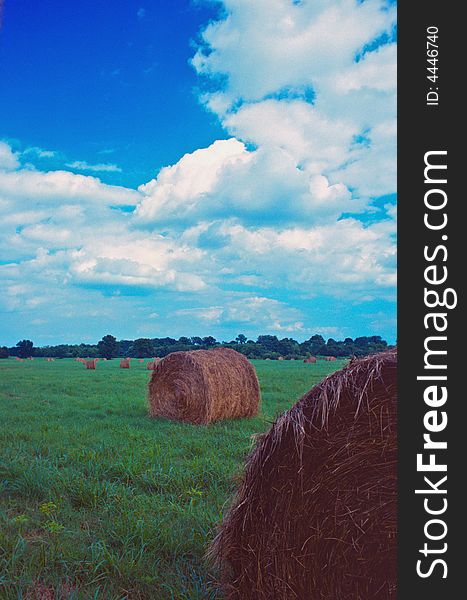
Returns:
<point x="99" y="502"/>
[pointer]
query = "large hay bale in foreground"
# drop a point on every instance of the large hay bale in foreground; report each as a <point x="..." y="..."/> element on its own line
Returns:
<point x="315" y="515"/>
<point x="201" y="386"/>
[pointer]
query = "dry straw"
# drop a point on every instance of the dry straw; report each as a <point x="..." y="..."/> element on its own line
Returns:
<point x="202" y="386"/>
<point x="125" y="363"/>
<point x="310" y="360"/>
<point x="90" y="364"/>
<point x="315" y="515"/>
<point x="152" y="363"/>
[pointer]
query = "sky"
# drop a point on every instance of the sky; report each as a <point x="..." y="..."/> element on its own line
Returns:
<point x="197" y="168"/>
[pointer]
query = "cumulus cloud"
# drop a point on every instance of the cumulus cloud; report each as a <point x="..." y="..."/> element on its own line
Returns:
<point x="59" y="186"/>
<point x="256" y="186"/>
<point x="8" y="159"/>
<point x="343" y="259"/>
<point x="323" y="73"/>
<point x="251" y="232"/>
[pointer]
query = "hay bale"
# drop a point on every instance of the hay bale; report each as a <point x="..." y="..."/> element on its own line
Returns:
<point x="280" y="358"/>
<point x="125" y="363"/>
<point x="141" y="360"/>
<point x="330" y="358"/>
<point x="315" y="515"/>
<point x="152" y="363"/>
<point x="201" y="386"/>
<point x="90" y="364"/>
<point x="310" y="359"/>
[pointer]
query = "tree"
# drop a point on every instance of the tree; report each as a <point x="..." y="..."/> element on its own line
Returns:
<point x="241" y="339"/>
<point x="4" y="353"/>
<point x="185" y="341"/>
<point x="209" y="341"/>
<point x="269" y="343"/>
<point x="108" y="347"/>
<point x="197" y="341"/>
<point x="25" y="348"/>
<point x="142" y="348"/>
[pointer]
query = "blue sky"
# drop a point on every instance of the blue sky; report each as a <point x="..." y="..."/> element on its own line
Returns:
<point x="108" y="85"/>
<point x="197" y="168"/>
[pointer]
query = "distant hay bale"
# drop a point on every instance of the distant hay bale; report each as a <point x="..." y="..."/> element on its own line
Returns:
<point x="330" y="358"/>
<point x="141" y="360"/>
<point x="90" y="364"/>
<point x="152" y="363"/>
<point x="125" y="363"/>
<point x="201" y="386"/>
<point x="315" y="515"/>
<point x="280" y="358"/>
<point x="310" y="359"/>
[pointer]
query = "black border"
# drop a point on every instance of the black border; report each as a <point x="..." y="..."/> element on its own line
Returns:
<point x="422" y="128"/>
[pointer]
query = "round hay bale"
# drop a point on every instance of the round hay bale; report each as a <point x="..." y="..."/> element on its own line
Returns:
<point x="125" y="363"/>
<point x="310" y="360"/>
<point x="152" y="363"/>
<point x="201" y="386"/>
<point x="315" y="515"/>
<point x="280" y="358"/>
<point x="90" y="364"/>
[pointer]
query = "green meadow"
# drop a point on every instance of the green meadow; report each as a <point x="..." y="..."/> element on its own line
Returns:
<point x="97" y="501"/>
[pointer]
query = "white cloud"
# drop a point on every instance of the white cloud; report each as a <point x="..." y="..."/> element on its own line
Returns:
<point x="59" y="186"/>
<point x="306" y="78"/>
<point x="82" y="165"/>
<point x="8" y="158"/>
<point x="340" y="259"/>
<point x="260" y="311"/>
<point x="257" y="186"/>
<point x="250" y="230"/>
<point x="39" y="152"/>
<point x="268" y="45"/>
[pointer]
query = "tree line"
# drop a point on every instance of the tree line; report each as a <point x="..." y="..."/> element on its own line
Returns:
<point x="265" y="346"/>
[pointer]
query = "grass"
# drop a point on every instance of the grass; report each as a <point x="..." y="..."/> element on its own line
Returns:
<point x="99" y="502"/>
